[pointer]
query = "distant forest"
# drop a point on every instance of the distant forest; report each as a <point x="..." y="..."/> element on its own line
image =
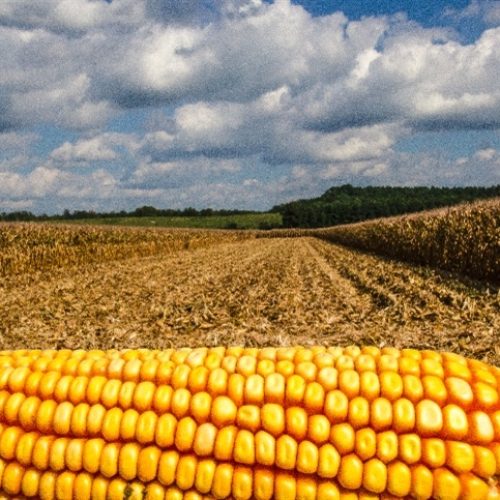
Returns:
<point x="145" y="211"/>
<point x="339" y="205"/>
<point x="346" y="204"/>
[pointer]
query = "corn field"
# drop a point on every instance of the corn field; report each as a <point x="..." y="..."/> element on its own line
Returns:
<point x="464" y="239"/>
<point x="37" y="247"/>
<point x="102" y="287"/>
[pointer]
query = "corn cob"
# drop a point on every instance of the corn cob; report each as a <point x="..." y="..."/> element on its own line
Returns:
<point x="284" y="423"/>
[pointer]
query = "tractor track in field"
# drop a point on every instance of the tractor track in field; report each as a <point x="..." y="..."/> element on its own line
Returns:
<point x="258" y="292"/>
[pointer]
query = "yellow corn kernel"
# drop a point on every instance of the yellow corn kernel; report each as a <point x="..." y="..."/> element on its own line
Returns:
<point x="433" y="452"/>
<point x="163" y="399"/>
<point x="296" y="422"/>
<point x="343" y="437"/>
<point x="184" y="434"/>
<point x="263" y="484"/>
<point x="366" y="443"/>
<point x="12" y="478"/>
<point x="147" y="465"/>
<point x="236" y="388"/>
<point x="318" y="429"/>
<point x="204" y="439"/>
<point x="242" y="486"/>
<point x="429" y="418"/>
<point x="336" y="406"/>
<point x="127" y="461"/>
<point x="350" y="473"/>
<point x="167" y="467"/>
<point x="410" y="448"/>
<point x="473" y="488"/>
<point x="387" y="446"/>
<point x="314" y="398"/>
<point x="25" y="446"/>
<point x="455" y="423"/>
<point x="110" y="460"/>
<point x="328" y="490"/>
<point x="421" y="482"/>
<point x="286" y="452"/>
<point x="30" y="483"/>
<point x="434" y="389"/>
<point x="273" y="418"/>
<point x="186" y="471"/>
<point x="265" y="448"/>
<point x="274" y="388"/>
<point x="484" y="462"/>
<point x="224" y="443"/>
<point x="165" y="429"/>
<point x="244" y="447"/>
<point x="413" y="388"/>
<point x="480" y="428"/>
<point x="459" y="456"/>
<point x="295" y="390"/>
<point x="307" y="457"/>
<point x="248" y="417"/>
<point x="92" y="449"/>
<point x="359" y="412"/>
<point x="285" y="486"/>
<point x="223" y="411"/>
<point x="328" y="378"/>
<point x="398" y="479"/>
<point x="349" y="383"/>
<point x="205" y="472"/>
<point x="374" y="476"/>
<point x="74" y="454"/>
<point x="459" y="392"/>
<point x="446" y="486"/>
<point x="381" y="414"/>
<point x="391" y="385"/>
<point x="223" y="478"/>
<point x="328" y="461"/>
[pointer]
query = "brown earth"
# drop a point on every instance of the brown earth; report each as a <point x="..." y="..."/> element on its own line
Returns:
<point x="255" y="292"/>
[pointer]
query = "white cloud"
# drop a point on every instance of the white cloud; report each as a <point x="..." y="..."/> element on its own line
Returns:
<point x="338" y="73"/>
<point x="485" y="10"/>
<point x="102" y="147"/>
<point x="244" y="81"/>
<point x="17" y="141"/>
<point x="486" y="154"/>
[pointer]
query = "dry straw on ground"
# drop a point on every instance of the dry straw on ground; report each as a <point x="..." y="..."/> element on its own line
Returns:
<point x="93" y="287"/>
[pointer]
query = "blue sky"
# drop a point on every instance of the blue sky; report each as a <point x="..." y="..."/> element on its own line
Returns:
<point x="110" y="105"/>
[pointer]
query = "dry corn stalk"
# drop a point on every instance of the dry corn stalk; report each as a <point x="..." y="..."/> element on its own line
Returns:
<point x="34" y="247"/>
<point x="465" y="239"/>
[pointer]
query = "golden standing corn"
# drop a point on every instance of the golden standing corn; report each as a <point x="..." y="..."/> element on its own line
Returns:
<point x="284" y="423"/>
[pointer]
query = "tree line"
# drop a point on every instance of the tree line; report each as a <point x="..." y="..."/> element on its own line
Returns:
<point x="346" y="204"/>
<point x="338" y="205"/>
<point x="144" y="211"/>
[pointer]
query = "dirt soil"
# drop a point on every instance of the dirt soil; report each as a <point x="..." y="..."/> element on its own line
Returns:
<point x="257" y="293"/>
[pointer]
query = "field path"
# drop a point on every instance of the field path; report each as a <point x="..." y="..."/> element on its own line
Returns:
<point x="257" y="292"/>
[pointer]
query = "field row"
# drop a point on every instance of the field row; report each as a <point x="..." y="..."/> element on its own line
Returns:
<point x="464" y="239"/>
<point x="257" y="292"/>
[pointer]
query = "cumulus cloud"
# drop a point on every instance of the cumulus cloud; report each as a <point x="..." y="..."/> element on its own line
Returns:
<point x="103" y="147"/>
<point x="340" y="73"/>
<point x="240" y="81"/>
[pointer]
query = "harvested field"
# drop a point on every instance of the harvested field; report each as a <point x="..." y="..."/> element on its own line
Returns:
<point x="257" y="292"/>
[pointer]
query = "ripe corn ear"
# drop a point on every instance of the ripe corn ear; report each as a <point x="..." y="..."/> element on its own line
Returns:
<point x="241" y="423"/>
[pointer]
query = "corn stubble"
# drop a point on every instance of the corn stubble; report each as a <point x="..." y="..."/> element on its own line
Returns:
<point x="285" y="423"/>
